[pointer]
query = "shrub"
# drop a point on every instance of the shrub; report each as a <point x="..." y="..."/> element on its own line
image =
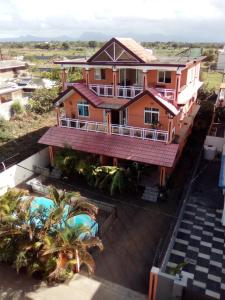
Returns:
<point x="16" y="108"/>
<point x="42" y="100"/>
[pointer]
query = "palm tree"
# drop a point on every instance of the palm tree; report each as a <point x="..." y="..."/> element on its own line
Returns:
<point x="53" y="247"/>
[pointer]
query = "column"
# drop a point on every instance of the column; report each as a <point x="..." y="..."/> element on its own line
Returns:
<point x="153" y="283"/>
<point x="57" y="110"/>
<point x="87" y="76"/>
<point x="170" y="129"/>
<point x="115" y="161"/>
<point x="178" y="76"/>
<point x="63" y="79"/>
<point x="145" y="83"/>
<point x="51" y="155"/>
<point x="114" y="82"/>
<point x="108" y="121"/>
<point x="162" y="179"/>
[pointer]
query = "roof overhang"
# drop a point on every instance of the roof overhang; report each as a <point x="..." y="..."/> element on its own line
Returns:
<point x="122" y="147"/>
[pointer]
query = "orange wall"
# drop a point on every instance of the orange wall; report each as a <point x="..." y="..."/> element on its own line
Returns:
<point x="95" y="114"/>
<point x="152" y="79"/>
<point x="136" y="113"/>
<point x="108" y="77"/>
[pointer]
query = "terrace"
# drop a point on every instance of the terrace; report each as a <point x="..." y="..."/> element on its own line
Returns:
<point x="115" y="129"/>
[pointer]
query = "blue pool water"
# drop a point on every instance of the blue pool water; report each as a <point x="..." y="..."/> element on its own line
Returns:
<point x="81" y="219"/>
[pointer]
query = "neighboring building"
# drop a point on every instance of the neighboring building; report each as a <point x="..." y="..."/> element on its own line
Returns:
<point x="221" y="59"/>
<point x="130" y="106"/>
<point x="11" y="69"/>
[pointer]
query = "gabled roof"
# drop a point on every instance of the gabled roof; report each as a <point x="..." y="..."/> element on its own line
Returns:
<point x="81" y="89"/>
<point x="132" y="52"/>
<point x="123" y="147"/>
<point x="155" y="95"/>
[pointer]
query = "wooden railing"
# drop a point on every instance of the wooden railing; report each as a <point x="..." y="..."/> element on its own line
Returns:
<point x="129" y="131"/>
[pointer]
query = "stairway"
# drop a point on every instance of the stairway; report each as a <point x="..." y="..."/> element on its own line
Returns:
<point x="150" y="193"/>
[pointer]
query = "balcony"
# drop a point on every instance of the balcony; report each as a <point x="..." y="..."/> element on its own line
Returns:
<point x="128" y="92"/>
<point x="129" y="131"/>
<point x="169" y="94"/>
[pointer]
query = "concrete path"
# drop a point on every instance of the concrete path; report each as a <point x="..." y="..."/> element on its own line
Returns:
<point x="14" y="287"/>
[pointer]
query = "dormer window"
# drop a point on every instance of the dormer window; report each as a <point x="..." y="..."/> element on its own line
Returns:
<point x="83" y="109"/>
<point x="164" y="77"/>
<point x="99" y="74"/>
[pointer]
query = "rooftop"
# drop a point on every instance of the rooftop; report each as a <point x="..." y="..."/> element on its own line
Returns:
<point x="11" y="64"/>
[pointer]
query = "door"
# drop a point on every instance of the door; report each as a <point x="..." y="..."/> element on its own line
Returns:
<point x="115" y="117"/>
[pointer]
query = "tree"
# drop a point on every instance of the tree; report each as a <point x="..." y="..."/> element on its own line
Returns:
<point x="65" y="46"/>
<point x="42" y="100"/>
<point x="42" y="239"/>
<point x="92" y="44"/>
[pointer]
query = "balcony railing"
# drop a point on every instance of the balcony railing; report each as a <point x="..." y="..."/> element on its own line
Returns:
<point x="134" y="132"/>
<point x="121" y="91"/>
<point x="169" y="94"/>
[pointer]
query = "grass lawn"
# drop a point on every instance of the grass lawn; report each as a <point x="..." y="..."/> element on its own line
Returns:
<point x="212" y="79"/>
<point x="20" y="135"/>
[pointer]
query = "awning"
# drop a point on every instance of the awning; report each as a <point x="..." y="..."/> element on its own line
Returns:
<point x="122" y="147"/>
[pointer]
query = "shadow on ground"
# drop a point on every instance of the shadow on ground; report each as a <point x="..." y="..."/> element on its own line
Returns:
<point x="21" y="147"/>
<point x="14" y="286"/>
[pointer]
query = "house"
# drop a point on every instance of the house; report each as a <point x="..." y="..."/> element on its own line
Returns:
<point x="129" y="106"/>
<point x="10" y="70"/>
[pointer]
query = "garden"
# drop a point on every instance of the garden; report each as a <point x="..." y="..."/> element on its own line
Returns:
<point x="48" y="238"/>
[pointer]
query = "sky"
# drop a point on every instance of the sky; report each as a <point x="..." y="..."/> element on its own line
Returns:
<point x="178" y="20"/>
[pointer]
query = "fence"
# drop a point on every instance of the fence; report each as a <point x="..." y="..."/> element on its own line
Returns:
<point x="23" y="170"/>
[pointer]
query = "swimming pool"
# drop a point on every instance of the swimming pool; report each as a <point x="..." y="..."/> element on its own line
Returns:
<point x="82" y="219"/>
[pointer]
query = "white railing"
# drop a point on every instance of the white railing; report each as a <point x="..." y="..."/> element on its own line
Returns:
<point x="169" y="94"/>
<point x="142" y="133"/>
<point x="134" y="132"/>
<point x="83" y="125"/>
<point x="128" y="91"/>
<point x="121" y="91"/>
<point x="102" y="90"/>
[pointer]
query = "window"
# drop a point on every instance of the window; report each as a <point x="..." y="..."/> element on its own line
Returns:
<point x="83" y="109"/>
<point x="151" y="115"/>
<point x="99" y="74"/>
<point x="164" y="76"/>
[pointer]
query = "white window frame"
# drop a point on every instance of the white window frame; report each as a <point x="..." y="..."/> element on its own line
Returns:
<point x="83" y="104"/>
<point x="98" y="76"/>
<point x="164" y="77"/>
<point x="151" y="111"/>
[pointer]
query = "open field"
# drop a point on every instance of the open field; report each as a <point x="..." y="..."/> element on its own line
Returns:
<point x="19" y="136"/>
<point x="212" y="79"/>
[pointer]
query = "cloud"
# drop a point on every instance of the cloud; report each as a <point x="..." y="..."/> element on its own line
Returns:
<point x="178" y="19"/>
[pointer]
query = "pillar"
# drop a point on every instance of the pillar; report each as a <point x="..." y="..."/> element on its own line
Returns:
<point x="170" y="130"/>
<point x="178" y="76"/>
<point x="114" y="82"/>
<point x="145" y="83"/>
<point x="63" y="79"/>
<point x="87" y="76"/>
<point x="162" y="178"/>
<point x="51" y="155"/>
<point x="115" y="161"/>
<point x="153" y="283"/>
<point x="104" y="160"/>
<point x="108" y="121"/>
<point x="57" y="110"/>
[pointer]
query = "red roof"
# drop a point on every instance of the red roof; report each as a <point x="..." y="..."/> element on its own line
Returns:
<point x="145" y="151"/>
<point x="84" y="91"/>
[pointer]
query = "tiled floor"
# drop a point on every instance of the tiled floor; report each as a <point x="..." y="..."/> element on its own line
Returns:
<point x="200" y="243"/>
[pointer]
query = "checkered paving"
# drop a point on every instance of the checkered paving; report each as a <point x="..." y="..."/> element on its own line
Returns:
<point x="200" y="242"/>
